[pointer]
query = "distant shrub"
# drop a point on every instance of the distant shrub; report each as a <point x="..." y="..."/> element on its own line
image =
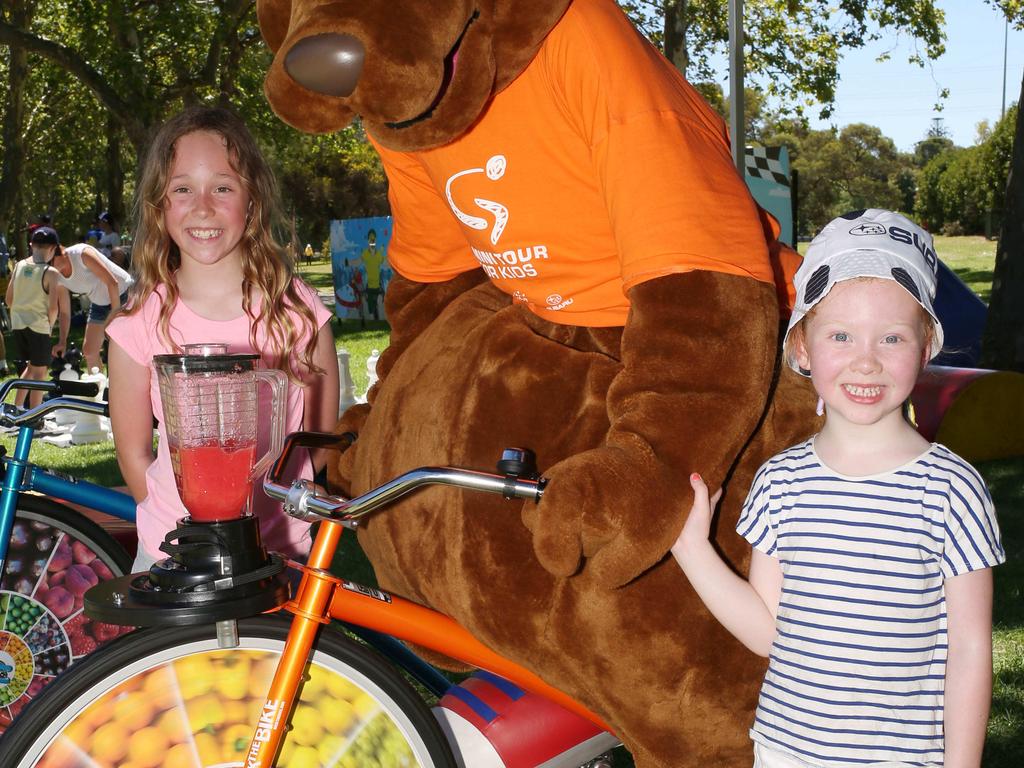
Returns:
<point x="958" y="189"/>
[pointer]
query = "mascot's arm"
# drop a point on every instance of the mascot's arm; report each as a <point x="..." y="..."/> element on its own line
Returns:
<point x="698" y="348"/>
<point x="698" y="354"/>
<point x="410" y="307"/>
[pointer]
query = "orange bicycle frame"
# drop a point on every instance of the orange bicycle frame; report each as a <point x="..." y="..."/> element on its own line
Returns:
<point x="321" y="597"/>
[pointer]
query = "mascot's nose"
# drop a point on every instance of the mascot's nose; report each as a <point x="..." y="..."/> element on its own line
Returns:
<point x="328" y="64"/>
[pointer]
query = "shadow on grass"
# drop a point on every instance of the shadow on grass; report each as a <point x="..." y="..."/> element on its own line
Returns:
<point x="1005" y="480"/>
<point x="1005" y="742"/>
<point x="978" y="280"/>
<point x="350" y="562"/>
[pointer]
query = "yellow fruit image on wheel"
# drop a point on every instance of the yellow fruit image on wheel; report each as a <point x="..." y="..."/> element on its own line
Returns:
<point x="200" y="711"/>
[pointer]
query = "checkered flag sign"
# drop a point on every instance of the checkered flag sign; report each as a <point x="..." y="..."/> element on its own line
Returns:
<point x="765" y="163"/>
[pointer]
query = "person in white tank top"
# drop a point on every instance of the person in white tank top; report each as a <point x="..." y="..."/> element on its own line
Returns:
<point x="83" y="269"/>
<point x="36" y="298"/>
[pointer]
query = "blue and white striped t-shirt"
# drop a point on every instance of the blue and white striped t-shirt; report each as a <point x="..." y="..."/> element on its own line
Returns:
<point x="857" y="669"/>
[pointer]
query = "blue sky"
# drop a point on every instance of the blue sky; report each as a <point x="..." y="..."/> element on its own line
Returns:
<point x="898" y="97"/>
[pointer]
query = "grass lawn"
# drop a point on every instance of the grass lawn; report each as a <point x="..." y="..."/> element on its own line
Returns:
<point x="1005" y="743"/>
<point x="971" y="258"/>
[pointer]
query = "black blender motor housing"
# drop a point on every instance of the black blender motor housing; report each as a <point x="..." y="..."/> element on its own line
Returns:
<point x="215" y="572"/>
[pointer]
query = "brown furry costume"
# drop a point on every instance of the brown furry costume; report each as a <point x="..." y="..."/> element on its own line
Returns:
<point x="578" y="588"/>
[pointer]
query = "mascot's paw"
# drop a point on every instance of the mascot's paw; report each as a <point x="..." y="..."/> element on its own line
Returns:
<point x="619" y="509"/>
<point x="339" y="473"/>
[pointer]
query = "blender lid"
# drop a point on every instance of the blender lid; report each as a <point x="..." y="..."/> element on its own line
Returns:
<point x="207" y="363"/>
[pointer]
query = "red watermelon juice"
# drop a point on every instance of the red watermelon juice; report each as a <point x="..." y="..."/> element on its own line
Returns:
<point x="213" y="480"/>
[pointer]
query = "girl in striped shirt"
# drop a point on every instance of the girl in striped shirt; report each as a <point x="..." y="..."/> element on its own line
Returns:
<point x="870" y="583"/>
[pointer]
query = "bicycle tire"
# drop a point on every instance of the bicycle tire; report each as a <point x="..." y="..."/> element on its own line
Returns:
<point x="53" y="554"/>
<point x="196" y="703"/>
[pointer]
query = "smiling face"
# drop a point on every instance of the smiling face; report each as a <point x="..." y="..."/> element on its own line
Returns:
<point x="206" y="202"/>
<point x="865" y="344"/>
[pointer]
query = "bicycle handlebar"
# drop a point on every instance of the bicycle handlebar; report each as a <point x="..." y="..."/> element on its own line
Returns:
<point x="11" y="415"/>
<point x="301" y="499"/>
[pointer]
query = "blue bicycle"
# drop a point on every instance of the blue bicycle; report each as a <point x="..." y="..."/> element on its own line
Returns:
<point x="50" y="553"/>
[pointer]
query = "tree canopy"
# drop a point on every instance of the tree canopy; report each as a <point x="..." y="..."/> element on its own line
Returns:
<point x="91" y="79"/>
<point x="792" y="48"/>
<point x="962" y="190"/>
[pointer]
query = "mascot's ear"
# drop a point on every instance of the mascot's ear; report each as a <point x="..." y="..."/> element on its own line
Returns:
<point x="273" y="17"/>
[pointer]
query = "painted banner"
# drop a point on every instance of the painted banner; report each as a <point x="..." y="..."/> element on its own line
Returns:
<point x="360" y="266"/>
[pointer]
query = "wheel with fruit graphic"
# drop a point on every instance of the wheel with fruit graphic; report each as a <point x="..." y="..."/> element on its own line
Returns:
<point x="162" y="698"/>
<point x="53" y="557"/>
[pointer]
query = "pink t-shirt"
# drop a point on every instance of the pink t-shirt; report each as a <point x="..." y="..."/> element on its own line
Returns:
<point x="137" y="334"/>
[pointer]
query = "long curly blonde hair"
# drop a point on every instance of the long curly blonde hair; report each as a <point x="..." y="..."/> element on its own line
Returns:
<point x="266" y="266"/>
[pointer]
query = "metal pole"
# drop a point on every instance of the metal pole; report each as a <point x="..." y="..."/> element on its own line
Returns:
<point x="739" y="141"/>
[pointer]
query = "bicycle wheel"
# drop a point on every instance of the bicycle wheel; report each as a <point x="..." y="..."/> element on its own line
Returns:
<point x="173" y="699"/>
<point x="54" y="555"/>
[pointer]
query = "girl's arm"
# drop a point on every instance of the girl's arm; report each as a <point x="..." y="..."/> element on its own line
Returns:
<point x="968" y="667"/>
<point x="745" y="607"/>
<point x="322" y="392"/>
<point x="131" y="418"/>
<point x="64" y="321"/>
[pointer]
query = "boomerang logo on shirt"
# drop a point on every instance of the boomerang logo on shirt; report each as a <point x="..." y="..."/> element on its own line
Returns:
<point x="494" y="169"/>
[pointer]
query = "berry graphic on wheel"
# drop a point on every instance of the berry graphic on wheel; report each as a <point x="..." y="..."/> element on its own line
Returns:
<point x="42" y="626"/>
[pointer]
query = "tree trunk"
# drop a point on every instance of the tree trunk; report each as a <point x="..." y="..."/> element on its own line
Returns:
<point x="114" y="171"/>
<point x="1003" y="341"/>
<point x="12" y="211"/>
<point x="675" y="33"/>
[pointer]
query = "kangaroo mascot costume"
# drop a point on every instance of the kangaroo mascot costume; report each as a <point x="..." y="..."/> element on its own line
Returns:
<point x="580" y="271"/>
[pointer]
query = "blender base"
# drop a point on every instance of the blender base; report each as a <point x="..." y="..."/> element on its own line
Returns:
<point x="217" y="571"/>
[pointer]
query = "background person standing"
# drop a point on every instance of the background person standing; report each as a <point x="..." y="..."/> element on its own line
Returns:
<point x="110" y="237"/>
<point x="35" y="298"/>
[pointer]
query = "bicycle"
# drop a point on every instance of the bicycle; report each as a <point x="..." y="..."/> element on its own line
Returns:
<point x="204" y="696"/>
<point x="50" y="553"/>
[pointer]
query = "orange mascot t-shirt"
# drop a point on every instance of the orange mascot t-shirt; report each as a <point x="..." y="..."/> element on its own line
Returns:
<point x="596" y="169"/>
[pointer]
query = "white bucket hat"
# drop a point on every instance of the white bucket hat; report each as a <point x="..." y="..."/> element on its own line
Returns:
<point x="872" y="243"/>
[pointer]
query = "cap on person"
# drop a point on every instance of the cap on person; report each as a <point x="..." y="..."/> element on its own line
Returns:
<point x="106" y="217"/>
<point x="45" y="236"/>
<point x="869" y="243"/>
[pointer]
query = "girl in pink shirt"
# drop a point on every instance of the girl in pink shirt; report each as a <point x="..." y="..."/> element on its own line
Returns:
<point x="209" y="270"/>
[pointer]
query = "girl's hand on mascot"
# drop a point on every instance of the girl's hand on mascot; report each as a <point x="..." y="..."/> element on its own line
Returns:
<point x="697" y="528"/>
<point x="609" y="513"/>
